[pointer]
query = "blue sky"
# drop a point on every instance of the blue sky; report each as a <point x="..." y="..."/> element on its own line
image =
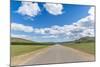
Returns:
<point x="50" y="22"/>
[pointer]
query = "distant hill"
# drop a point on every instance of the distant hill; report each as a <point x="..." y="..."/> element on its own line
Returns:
<point x="13" y="39"/>
<point x="81" y="40"/>
<point x="85" y="39"/>
<point x="20" y="41"/>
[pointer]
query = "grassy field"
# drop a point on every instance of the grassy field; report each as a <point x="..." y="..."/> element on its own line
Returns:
<point x="86" y="47"/>
<point x="22" y="49"/>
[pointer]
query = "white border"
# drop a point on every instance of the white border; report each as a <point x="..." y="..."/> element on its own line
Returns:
<point x="82" y="2"/>
<point x="5" y="33"/>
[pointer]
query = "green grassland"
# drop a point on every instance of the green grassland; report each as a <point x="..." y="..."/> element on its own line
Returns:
<point x="88" y="47"/>
<point x="85" y="44"/>
<point x="22" y="46"/>
<point x="23" y="49"/>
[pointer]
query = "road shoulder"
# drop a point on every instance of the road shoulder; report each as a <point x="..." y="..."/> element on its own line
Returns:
<point x="81" y="53"/>
<point x="21" y="59"/>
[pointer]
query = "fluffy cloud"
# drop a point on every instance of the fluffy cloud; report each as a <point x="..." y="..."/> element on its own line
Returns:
<point x="39" y="31"/>
<point x="54" y="9"/>
<point x="49" y="36"/>
<point x="85" y="26"/>
<point x="88" y="21"/>
<point x="29" y="9"/>
<point x="54" y="30"/>
<point x="91" y="11"/>
<point x="88" y="32"/>
<point x="21" y="27"/>
<point x="81" y="28"/>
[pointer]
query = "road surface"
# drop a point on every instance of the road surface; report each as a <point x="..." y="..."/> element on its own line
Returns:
<point x="59" y="54"/>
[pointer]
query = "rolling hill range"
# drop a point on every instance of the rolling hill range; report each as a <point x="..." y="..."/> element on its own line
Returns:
<point x="81" y="40"/>
<point x="85" y="39"/>
<point x="85" y="44"/>
<point x="20" y="40"/>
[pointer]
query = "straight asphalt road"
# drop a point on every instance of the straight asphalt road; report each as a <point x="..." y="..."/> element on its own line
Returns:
<point x="59" y="54"/>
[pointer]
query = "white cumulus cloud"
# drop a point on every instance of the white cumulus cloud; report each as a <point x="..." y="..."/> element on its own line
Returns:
<point x="21" y="27"/>
<point x="49" y="36"/>
<point x="54" y="9"/>
<point x="81" y="28"/>
<point x="29" y="9"/>
<point x="88" y="32"/>
<point x="91" y="11"/>
<point x="89" y="20"/>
